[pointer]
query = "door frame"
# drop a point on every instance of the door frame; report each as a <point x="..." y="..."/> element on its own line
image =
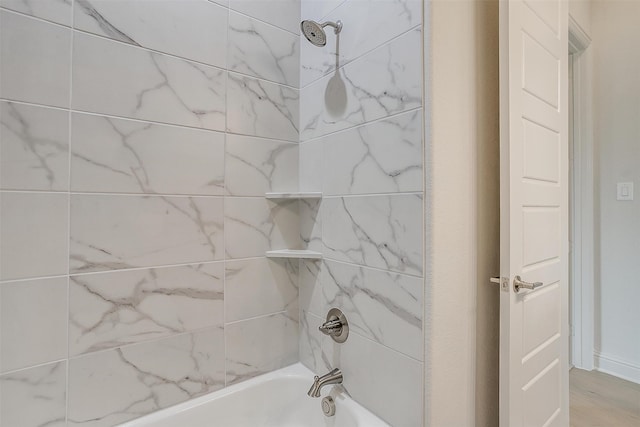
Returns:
<point x="583" y="202"/>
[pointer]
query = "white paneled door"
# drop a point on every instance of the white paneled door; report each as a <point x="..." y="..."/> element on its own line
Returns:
<point x="534" y="342"/>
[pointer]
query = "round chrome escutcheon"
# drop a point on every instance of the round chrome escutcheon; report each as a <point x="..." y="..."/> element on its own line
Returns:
<point x="328" y="406"/>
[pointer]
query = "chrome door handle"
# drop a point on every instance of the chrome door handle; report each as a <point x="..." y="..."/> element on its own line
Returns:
<point x="518" y="283"/>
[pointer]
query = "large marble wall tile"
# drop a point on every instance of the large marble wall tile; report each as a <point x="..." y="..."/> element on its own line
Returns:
<point x="125" y="156"/>
<point x="116" y="232"/>
<point x="366" y="25"/>
<point x="192" y="29"/>
<point x="377" y="231"/>
<point x="33" y="235"/>
<point x="380" y="157"/>
<point x="311" y="165"/>
<point x="58" y="11"/>
<point x="259" y="286"/>
<point x="310" y="213"/>
<point x="382" y="83"/>
<point x="311" y="293"/>
<point x="34" y="397"/>
<point x="117" y="308"/>
<point x="394" y="393"/>
<point x="260" y="108"/>
<point x="263" y="51"/>
<point x="256" y="225"/>
<point x="317" y="351"/>
<point x="33" y="326"/>
<point x="318" y="9"/>
<point x="34" y="147"/>
<point x="35" y="60"/>
<point x="281" y="13"/>
<point x="382" y="306"/>
<point x="121" y="80"/>
<point x="110" y="387"/>
<point x="260" y="345"/>
<point x="255" y="166"/>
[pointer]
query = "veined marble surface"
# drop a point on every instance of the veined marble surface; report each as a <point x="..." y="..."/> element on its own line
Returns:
<point x="58" y="11"/>
<point x="34" y="397"/>
<point x="310" y="162"/>
<point x="145" y="23"/>
<point x="382" y="306"/>
<point x="263" y="51"/>
<point x="110" y="387"/>
<point x="33" y="322"/>
<point x="260" y="286"/>
<point x="34" y="147"/>
<point x="260" y="108"/>
<point x="376" y="231"/>
<point x="310" y="289"/>
<point x="33" y="235"/>
<point x="310" y="213"/>
<point x="152" y="98"/>
<point x="112" y="309"/>
<point x="125" y="156"/>
<point x="317" y="9"/>
<point x="255" y="166"/>
<point x="254" y="225"/>
<point x="383" y="82"/>
<point x="276" y="336"/>
<point x="281" y="13"/>
<point x="41" y="48"/>
<point x="379" y="157"/>
<point x="116" y="232"/>
<point x="358" y="358"/>
<point x="366" y="25"/>
<point x="116" y="79"/>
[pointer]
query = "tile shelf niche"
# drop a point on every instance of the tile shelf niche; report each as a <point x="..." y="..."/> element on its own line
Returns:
<point x="295" y="195"/>
<point x="294" y="253"/>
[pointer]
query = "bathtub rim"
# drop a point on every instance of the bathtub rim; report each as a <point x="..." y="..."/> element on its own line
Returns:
<point x="296" y="370"/>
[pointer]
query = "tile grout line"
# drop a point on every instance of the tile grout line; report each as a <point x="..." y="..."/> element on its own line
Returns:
<point x="357" y="126"/>
<point x="71" y="275"/>
<point x="360" y="56"/>
<point x="224" y="212"/>
<point x="73" y="28"/>
<point x="69" y="149"/>
<point x="146" y="121"/>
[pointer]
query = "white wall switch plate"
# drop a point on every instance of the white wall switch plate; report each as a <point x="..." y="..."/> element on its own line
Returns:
<point x="625" y="191"/>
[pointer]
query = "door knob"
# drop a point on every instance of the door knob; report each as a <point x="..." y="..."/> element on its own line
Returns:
<point x="518" y="284"/>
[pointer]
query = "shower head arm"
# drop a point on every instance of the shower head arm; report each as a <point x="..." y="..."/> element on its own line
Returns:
<point x="337" y="26"/>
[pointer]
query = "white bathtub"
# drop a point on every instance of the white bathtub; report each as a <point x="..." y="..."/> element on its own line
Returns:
<point x="276" y="399"/>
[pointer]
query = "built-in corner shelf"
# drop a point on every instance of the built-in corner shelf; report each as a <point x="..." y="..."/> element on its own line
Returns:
<point x="297" y="195"/>
<point x="294" y="253"/>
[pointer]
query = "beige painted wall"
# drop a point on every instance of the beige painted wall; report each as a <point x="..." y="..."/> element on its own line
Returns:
<point x="617" y="143"/>
<point x="462" y="308"/>
<point x="580" y="10"/>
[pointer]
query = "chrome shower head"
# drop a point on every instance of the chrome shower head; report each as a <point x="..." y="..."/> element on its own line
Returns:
<point x="314" y="32"/>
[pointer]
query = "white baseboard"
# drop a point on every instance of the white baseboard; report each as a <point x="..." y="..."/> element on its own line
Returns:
<point x="616" y="367"/>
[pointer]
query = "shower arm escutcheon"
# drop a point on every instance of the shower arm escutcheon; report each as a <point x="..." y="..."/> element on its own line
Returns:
<point x="336" y="326"/>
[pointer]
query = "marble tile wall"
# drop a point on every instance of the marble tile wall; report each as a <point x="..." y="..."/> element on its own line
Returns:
<point x="137" y="140"/>
<point x="361" y="136"/>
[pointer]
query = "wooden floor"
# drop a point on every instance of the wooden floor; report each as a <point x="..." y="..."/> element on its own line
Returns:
<point x="601" y="400"/>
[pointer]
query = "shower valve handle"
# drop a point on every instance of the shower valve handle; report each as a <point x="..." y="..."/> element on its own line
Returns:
<point x="336" y="326"/>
